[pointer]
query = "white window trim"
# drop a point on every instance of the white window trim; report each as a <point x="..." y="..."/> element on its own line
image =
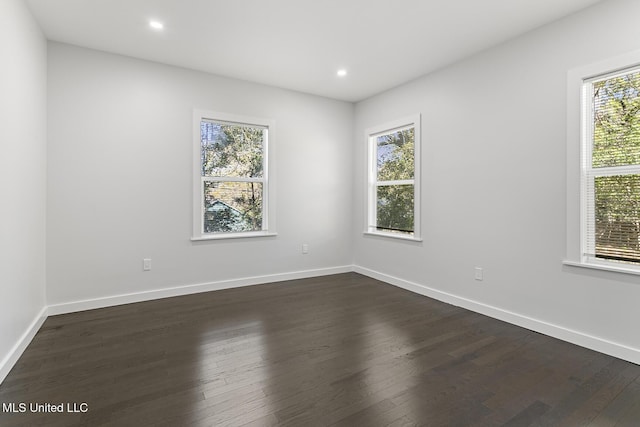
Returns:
<point x="371" y="170"/>
<point x="578" y="153"/>
<point x="268" y="191"/>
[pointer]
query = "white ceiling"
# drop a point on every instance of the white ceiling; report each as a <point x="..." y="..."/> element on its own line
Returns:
<point x="300" y="44"/>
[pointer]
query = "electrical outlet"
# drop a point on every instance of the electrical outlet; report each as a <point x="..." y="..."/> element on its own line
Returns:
<point x="305" y="248"/>
<point x="146" y="264"/>
<point x="478" y="273"/>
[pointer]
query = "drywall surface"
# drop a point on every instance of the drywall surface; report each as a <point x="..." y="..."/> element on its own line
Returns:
<point x="120" y="178"/>
<point x="494" y="180"/>
<point x="23" y="124"/>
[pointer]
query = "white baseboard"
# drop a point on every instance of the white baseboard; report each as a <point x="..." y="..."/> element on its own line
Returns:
<point x="584" y="340"/>
<point x="10" y="359"/>
<point x="575" y="337"/>
<point x="90" y="304"/>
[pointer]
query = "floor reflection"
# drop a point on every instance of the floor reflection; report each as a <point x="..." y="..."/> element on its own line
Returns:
<point x="336" y="350"/>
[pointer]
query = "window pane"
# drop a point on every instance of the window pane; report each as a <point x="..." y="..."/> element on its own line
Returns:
<point x="231" y="150"/>
<point x="617" y="217"/>
<point x="616" y="116"/>
<point x="232" y="206"/>
<point x="395" y="208"/>
<point x="394" y="153"/>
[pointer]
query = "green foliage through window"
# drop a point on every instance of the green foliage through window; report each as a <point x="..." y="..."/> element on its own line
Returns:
<point x="395" y="208"/>
<point x="231" y="150"/>
<point x="395" y="171"/>
<point x="232" y="168"/>
<point x="616" y="144"/>
<point x="395" y="157"/>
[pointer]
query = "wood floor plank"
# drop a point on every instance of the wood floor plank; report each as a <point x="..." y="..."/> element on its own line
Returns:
<point x="528" y="415"/>
<point x="335" y="350"/>
<point x="622" y="406"/>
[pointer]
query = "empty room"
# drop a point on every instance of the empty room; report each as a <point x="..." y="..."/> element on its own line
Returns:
<point x="294" y="212"/>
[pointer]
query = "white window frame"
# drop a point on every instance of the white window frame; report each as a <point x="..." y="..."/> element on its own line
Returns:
<point x="372" y="174"/>
<point x="579" y="171"/>
<point x="268" y="190"/>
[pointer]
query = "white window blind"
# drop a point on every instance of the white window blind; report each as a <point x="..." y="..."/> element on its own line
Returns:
<point x="611" y="167"/>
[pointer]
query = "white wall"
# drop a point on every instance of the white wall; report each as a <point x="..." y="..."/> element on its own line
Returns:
<point x="494" y="164"/>
<point x="118" y="185"/>
<point x="23" y="133"/>
<point x="119" y="178"/>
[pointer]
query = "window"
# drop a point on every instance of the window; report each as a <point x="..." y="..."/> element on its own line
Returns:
<point x="393" y="179"/>
<point x="611" y="167"/>
<point x="231" y="185"/>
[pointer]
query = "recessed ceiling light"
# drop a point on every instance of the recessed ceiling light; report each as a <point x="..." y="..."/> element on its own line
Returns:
<point x="342" y="72"/>
<point x="156" y="25"/>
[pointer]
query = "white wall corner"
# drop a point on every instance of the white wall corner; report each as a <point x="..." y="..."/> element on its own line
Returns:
<point x="9" y="361"/>
<point x="16" y="351"/>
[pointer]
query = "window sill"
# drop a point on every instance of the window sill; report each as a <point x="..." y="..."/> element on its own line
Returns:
<point x="603" y="267"/>
<point x="393" y="236"/>
<point x="226" y="236"/>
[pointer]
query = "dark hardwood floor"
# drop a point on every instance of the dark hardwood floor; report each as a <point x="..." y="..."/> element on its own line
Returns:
<point x="338" y="350"/>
